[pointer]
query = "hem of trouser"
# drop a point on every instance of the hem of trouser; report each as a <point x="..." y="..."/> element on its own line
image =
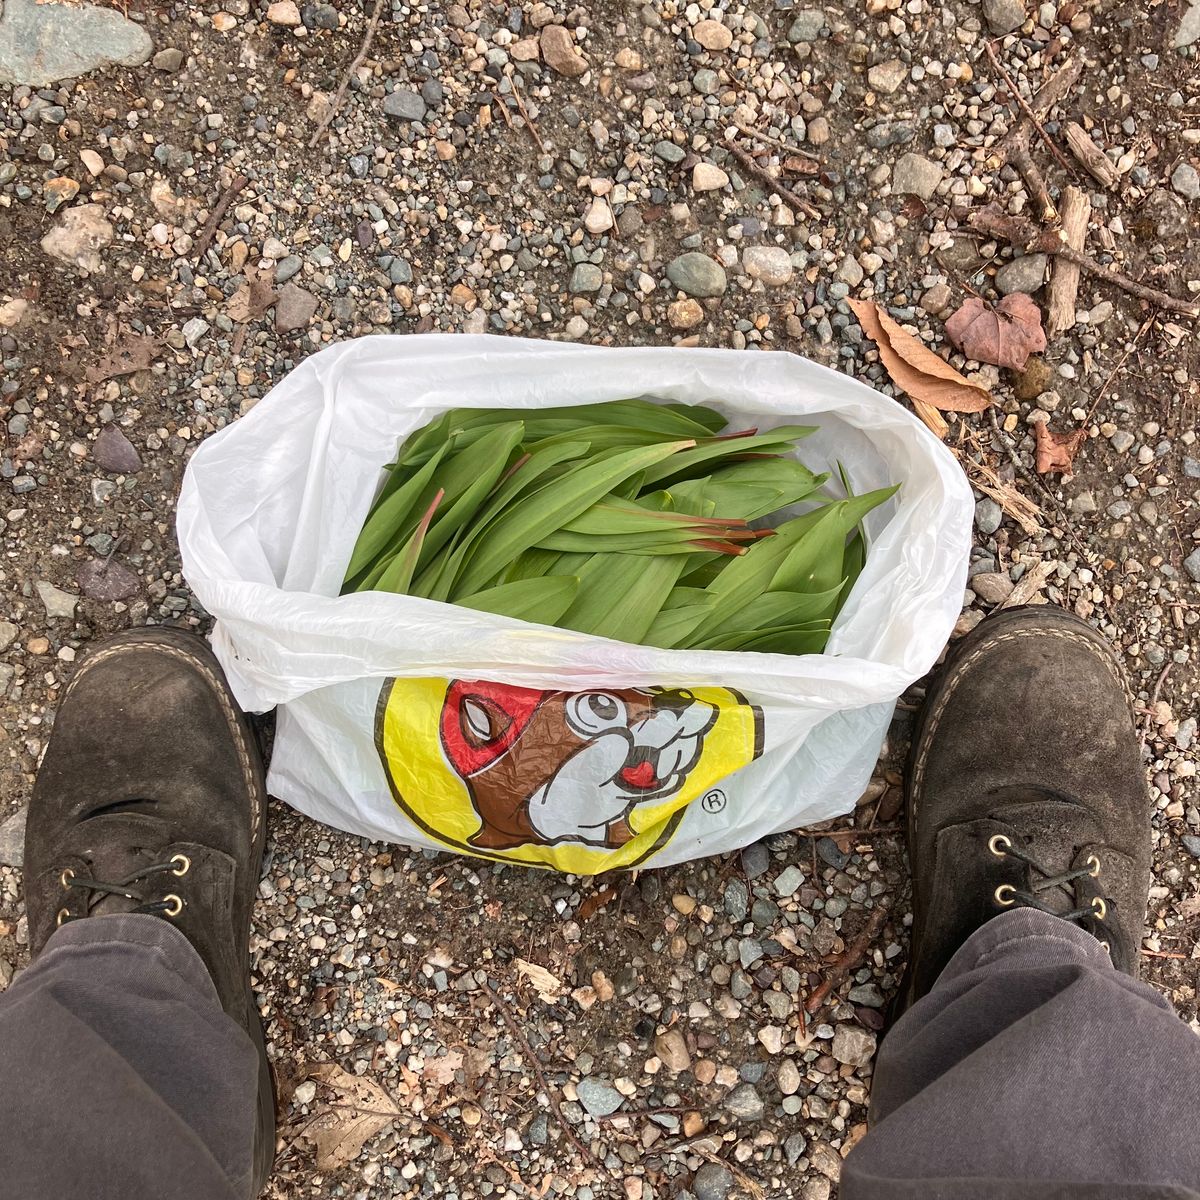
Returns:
<point x="1022" y="925"/>
<point x="142" y="929"/>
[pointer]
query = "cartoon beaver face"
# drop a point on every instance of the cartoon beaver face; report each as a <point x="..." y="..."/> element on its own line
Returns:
<point x="550" y="767"/>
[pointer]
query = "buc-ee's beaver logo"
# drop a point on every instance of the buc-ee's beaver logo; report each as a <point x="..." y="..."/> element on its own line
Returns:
<point x="582" y="781"/>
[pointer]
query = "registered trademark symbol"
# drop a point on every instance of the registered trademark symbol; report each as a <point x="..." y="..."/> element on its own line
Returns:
<point x="714" y="801"/>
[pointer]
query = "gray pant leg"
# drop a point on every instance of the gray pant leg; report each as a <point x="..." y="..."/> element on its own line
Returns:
<point x="1033" y="1069"/>
<point x="121" y="1078"/>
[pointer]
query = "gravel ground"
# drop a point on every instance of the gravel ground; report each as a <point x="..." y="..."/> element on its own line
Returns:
<point x="665" y="1019"/>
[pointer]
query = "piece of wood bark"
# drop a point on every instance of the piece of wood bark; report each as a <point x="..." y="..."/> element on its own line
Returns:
<point x="1063" y="288"/>
<point x="1091" y="158"/>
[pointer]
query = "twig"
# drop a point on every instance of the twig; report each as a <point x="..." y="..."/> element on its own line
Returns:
<point x="535" y="1064"/>
<point x="215" y="217"/>
<point x="1024" y="104"/>
<point x="1164" y="953"/>
<point x="647" y="1112"/>
<point x="1062" y="291"/>
<point x="748" y="1185"/>
<point x="1047" y="96"/>
<point x="849" y="959"/>
<point x="1120" y="363"/>
<point x="770" y="141"/>
<point x="785" y="193"/>
<point x="1020" y="232"/>
<point x="817" y="834"/>
<point x="1020" y="158"/>
<point x="340" y="94"/>
<point x="1091" y="158"/>
<point x="1162" y="676"/>
<point x="537" y="137"/>
<point x="1032" y="582"/>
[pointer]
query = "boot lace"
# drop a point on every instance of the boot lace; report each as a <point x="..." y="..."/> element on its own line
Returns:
<point x="170" y="905"/>
<point x="1006" y="895"/>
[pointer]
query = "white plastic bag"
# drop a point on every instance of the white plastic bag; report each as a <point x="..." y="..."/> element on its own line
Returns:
<point x="395" y="712"/>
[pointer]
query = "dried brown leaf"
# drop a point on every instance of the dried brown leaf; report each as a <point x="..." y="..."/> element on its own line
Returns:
<point x="547" y="985"/>
<point x="1056" y="451"/>
<point x="440" y="1071"/>
<point x="595" y="902"/>
<point x="1005" y="335"/>
<point x="134" y="352"/>
<point x="251" y="300"/>
<point x="361" y="1109"/>
<point x="932" y="382"/>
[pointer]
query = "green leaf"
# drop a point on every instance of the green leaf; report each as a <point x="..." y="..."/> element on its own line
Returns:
<point x="808" y="638"/>
<point x="715" y="449"/>
<point x="773" y="609"/>
<point x="674" y="624"/>
<point x="619" y="597"/>
<point x="399" y="573"/>
<point x="550" y="507"/>
<point x="389" y="524"/>
<point x="542" y="601"/>
<point x="816" y="563"/>
<point x="481" y="466"/>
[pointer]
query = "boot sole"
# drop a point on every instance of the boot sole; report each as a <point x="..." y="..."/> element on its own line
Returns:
<point x="194" y="648"/>
<point x="1006" y="623"/>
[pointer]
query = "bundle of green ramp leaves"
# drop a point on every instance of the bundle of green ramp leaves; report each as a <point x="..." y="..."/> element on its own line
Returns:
<point x="629" y="520"/>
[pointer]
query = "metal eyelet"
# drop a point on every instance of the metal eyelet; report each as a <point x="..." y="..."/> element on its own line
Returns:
<point x="173" y="900"/>
<point x="1099" y="907"/>
<point x="185" y="864"/>
<point x="1094" y="863"/>
<point x="66" y="877"/>
<point x="994" y="844"/>
<point x="1005" y="895"/>
<point x="1107" y="948"/>
<point x="63" y="915"/>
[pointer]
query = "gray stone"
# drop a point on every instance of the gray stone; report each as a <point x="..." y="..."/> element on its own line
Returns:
<point x="1122" y="441"/>
<point x="756" y="858"/>
<point x="668" y="152"/>
<point x="987" y="516"/>
<point x="404" y="105"/>
<point x="853" y="1046"/>
<point x="1191" y="565"/>
<point x="8" y="634"/>
<point x="744" y="1103"/>
<point x="866" y="994"/>
<point x="788" y="881"/>
<point x="706" y="82"/>
<point x="586" y="278"/>
<point x="806" y="25"/>
<point x="771" y="264"/>
<point x="168" y="60"/>
<point x="294" y="308"/>
<point x="1025" y="274"/>
<point x="112" y="451"/>
<point x="12" y="838"/>
<point x="1191" y="843"/>
<point x="194" y="330"/>
<point x="712" y="1182"/>
<point x="992" y="587"/>
<point x="916" y="175"/>
<point x="1189" y="27"/>
<point x="737" y="895"/>
<point x="400" y="270"/>
<point x="287" y="267"/>
<point x="107" y="580"/>
<point x="1003" y="16"/>
<point x="42" y="43"/>
<point x="749" y="952"/>
<point x="1186" y="181"/>
<point x="59" y="604"/>
<point x="598" y="1096"/>
<point x="1191" y="467"/>
<point x="697" y="275"/>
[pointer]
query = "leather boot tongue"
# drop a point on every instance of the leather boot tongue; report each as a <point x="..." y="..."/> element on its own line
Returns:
<point x="1052" y="831"/>
<point x="117" y="844"/>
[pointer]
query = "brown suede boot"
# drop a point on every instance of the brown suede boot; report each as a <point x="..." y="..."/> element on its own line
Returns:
<point x="151" y="799"/>
<point x="1026" y="787"/>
